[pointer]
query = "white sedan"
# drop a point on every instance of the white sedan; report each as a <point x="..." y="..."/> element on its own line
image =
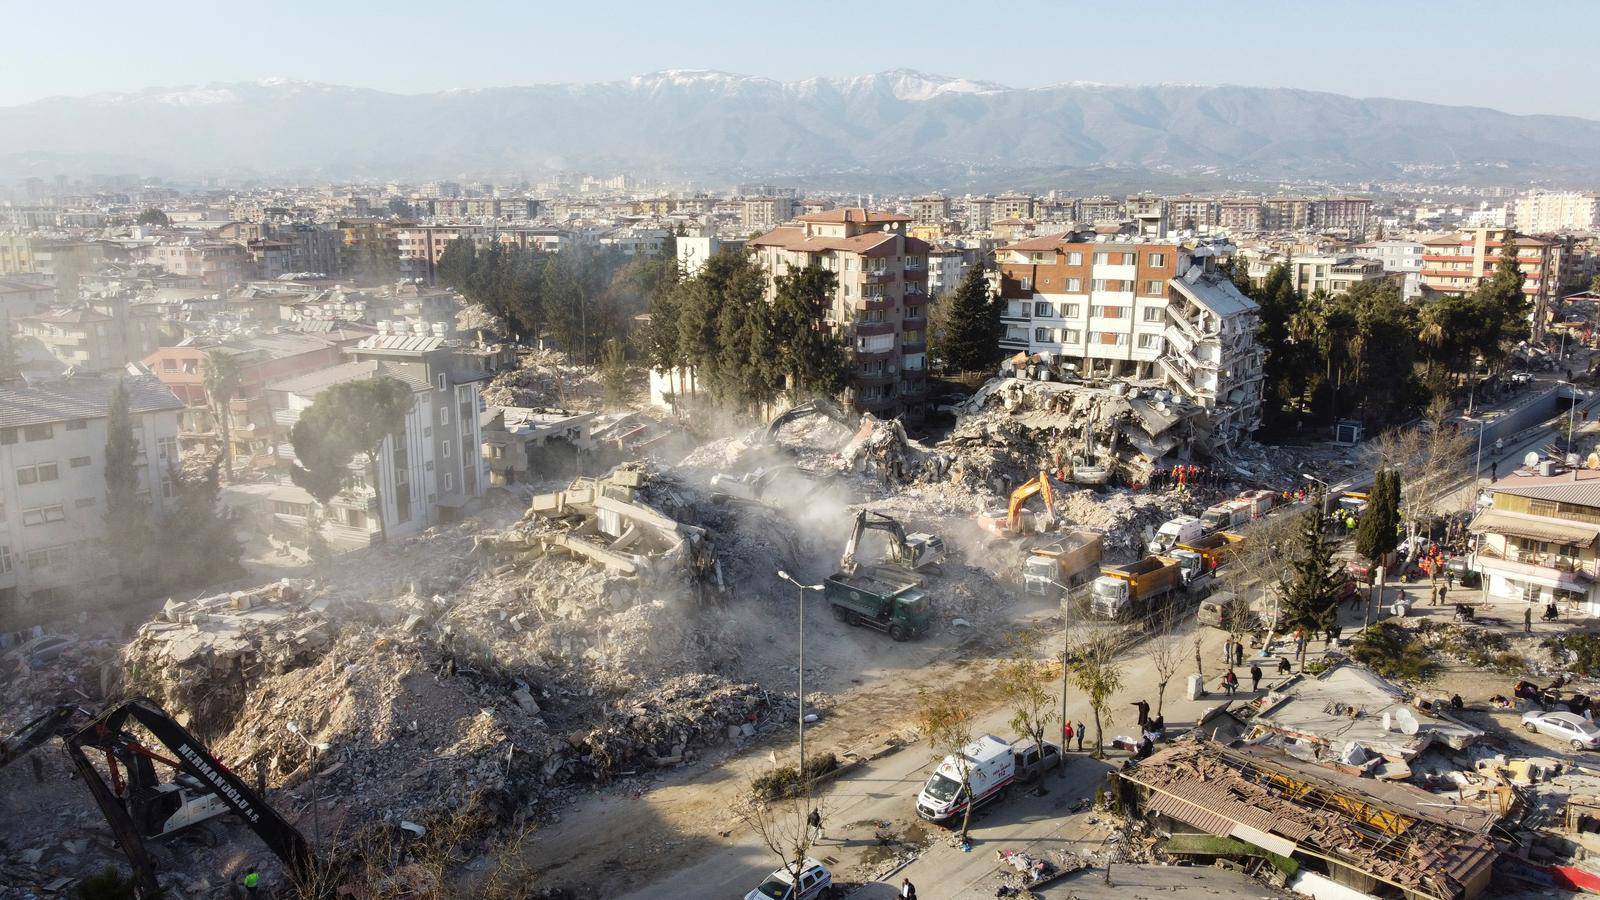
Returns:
<point x="1577" y="731"/>
<point x="815" y="882"/>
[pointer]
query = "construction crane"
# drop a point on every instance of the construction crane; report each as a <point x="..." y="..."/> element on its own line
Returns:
<point x="136" y="803"/>
<point x="1038" y="485"/>
<point x="915" y="552"/>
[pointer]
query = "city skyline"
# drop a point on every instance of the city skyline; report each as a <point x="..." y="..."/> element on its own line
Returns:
<point x="1379" y="55"/>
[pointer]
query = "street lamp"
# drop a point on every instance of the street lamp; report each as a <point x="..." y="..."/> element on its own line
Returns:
<point x="1066" y="647"/>
<point x="805" y="786"/>
<point x="315" y="748"/>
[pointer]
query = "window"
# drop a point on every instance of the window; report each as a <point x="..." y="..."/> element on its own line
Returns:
<point x="449" y="482"/>
<point x="5" y="559"/>
<point x="1071" y="310"/>
<point x="1074" y="285"/>
<point x="167" y="448"/>
<point x="1149" y="341"/>
<point x="79" y="462"/>
<point x="36" y="473"/>
<point x="1101" y="258"/>
<point x="444" y="382"/>
<point x="1110" y="338"/>
<point x="1100" y="284"/>
<point x="286" y="508"/>
<point x="1074" y="258"/>
<point x="8" y="435"/>
<point x="37" y="432"/>
<point x="49" y="558"/>
<point x="1130" y="259"/>
<point x="1071" y="336"/>
<point x="1043" y="310"/>
<point x="169" y="365"/>
<point x="427" y="432"/>
<point x="444" y="415"/>
<point x="355" y="518"/>
<point x="1154" y="287"/>
<point x="1027" y="283"/>
<point x="1153" y="313"/>
<point x="1041" y="334"/>
<point x="83" y="502"/>
<point x="497" y="452"/>
<point x="41" y="515"/>
<point x="1158" y="259"/>
<point x="447" y="445"/>
<point x="1106" y="312"/>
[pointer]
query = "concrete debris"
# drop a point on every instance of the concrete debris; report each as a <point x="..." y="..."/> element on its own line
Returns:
<point x="543" y="378"/>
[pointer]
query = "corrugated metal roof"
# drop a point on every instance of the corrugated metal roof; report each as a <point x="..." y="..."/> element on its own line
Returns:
<point x="1184" y="811"/>
<point x="1537" y="528"/>
<point x="322" y="379"/>
<point x="79" y="397"/>
<point x="1580" y="486"/>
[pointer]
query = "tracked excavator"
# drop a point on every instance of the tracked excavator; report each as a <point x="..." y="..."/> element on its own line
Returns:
<point x="135" y="802"/>
<point x="818" y="407"/>
<point x="916" y="552"/>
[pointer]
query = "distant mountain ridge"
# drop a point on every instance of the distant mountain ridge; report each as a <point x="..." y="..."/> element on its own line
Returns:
<point x="715" y="123"/>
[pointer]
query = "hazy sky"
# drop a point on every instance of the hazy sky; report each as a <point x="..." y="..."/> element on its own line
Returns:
<point x="1458" y="52"/>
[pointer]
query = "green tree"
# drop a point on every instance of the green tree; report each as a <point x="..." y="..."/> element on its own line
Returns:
<point x="1394" y="652"/>
<point x="1096" y="672"/>
<point x="222" y="381"/>
<point x="947" y="723"/>
<point x="614" y="375"/>
<point x="199" y="543"/>
<point x="1311" y="586"/>
<point x="1594" y="285"/>
<point x="970" y="341"/>
<point x="153" y="216"/>
<point x="127" y="514"/>
<point x="1375" y="536"/>
<point x="345" y="421"/>
<point x="812" y="359"/>
<point x="1023" y="683"/>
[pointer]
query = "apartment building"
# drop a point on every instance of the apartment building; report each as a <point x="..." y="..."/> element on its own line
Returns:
<point x="1333" y="274"/>
<point x="694" y="250"/>
<point x="880" y="306"/>
<point x="978" y="212"/>
<point x="218" y="264"/>
<point x="1188" y="213"/>
<point x="1457" y="263"/>
<point x="1540" y="212"/>
<point x="1394" y="255"/>
<point x="1150" y="215"/>
<point x="482" y="208"/>
<point x="1096" y="301"/>
<point x="1349" y="215"/>
<point x="933" y="210"/>
<point x="16" y="254"/>
<point x="424" y="475"/>
<point x="1099" y="210"/>
<point x="757" y="213"/>
<point x="1539" y="540"/>
<point x="946" y="267"/>
<point x="1241" y="216"/>
<point x="53" y="484"/>
<point x="1210" y="355"/>
<point x="23" y="296"/>
<point x="1013" y="206"/>
<point x="420" y="246"/>
<point x="96" y="337"/>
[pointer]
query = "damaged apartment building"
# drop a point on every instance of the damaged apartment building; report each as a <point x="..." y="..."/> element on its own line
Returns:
<point x="1101" y="304"/>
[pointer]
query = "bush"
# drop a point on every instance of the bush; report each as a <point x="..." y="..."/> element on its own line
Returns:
<point x="1578" y="652"/>
<point x="783" y="782"/>
<point x="1394" y="652"/>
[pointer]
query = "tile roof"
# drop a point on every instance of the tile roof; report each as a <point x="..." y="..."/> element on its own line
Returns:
<point x="872" y="243"/>
<point x="79" y="397"/>
<point x="853" y="215"/>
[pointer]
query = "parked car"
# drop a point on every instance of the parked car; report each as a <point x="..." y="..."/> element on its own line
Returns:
<point x="1577" y="731"/>
<point x="815" y="882"/>
<point x="1033" y="760"/>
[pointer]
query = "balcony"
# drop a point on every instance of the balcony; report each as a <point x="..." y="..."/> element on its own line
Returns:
<point x="884" y="277"/>
<point x="883" y="301"/>
<point x="914" y="347"/>
<point x="870" y="328"/>
<point x="884" y="376"/>
<point x="1548" y="569"/>
<point x="916" y="274"/>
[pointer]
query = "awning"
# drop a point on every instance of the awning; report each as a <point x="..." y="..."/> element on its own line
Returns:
<point x="291" y="493"/>
<point x="1535" y="528"/>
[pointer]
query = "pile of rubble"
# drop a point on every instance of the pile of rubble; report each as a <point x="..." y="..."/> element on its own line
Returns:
<point x="544" y="378"/>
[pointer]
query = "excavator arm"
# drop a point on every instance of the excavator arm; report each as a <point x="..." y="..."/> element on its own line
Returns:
<point x="105" y="732"/>
<point x="35" y="732"/>
<point x="817" y="407"/>
<point x="869" y="520"/>
<point x="1039" y="485"/>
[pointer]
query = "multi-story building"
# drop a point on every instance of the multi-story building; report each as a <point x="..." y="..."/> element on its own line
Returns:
<point x="932" y="210"/>
<point x="1013" y="206"/>
<point x="1188" y="213"/>
<point x="979" y="212"/>
<point x="1099" y="210"/>
<point x="23" y="296"/>
<point x="694" y="250"/>
<point x="1332" y="274"/>
<point x="1344" y="214"/>
<point x="1538" y="540"/>
<point x="1395" y="255"/>
<point x="1286" y="213"/>
<point x="1210" y="355"/>
<point x="420" y="246"/>
<point x="1150" y="214"/>
<point x="484" y="208"/>
<point x="1457" y="263"/>
<point x="1241" y="216"/>
<point x="1094" y="301"/>
<point x="946" y="267"/>
<point x="765" y="212"/>
<point x="425" y="474"/>
<point x="218" y="264"/>
<point x="53" y="484"/>
<point x="880" y="304"/>
<point x="16" y="253"/>
<point x="1539" y="212"/>
<point x="92" y="339"/>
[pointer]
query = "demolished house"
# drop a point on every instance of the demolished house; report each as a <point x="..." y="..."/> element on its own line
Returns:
<point x="1376" y="837"/>
<point x="1351" y="715"/>
<point x="1087" y="432"/>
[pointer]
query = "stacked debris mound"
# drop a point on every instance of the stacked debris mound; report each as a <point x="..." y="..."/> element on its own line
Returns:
<point x="1123" y="517"/>
<point x="49" y="669"/>
<point x="668" y="724"/>
<point x="880" y="447"/>
<point x="199" y="658"/>
<point x="543" y="378"/>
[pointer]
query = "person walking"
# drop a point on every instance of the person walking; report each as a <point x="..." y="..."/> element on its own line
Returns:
<point x="815" y="821"/>
<point x="1228" y="681"/>
<point x="908" y="891"/>
<point x="1066" y="736"/>
<point x="1081" y="729"/>
<point x="1238" y="653"/>
<point x="1255" y="677"/>
<point x="1527" y="621"/>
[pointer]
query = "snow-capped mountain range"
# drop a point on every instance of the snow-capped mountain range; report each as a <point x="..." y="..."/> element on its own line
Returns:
<point x="716" y="123"/>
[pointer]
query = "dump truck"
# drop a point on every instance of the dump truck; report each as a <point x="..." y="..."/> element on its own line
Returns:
<point x="1067" y="561"/>
<point x="1227" y="514"/>
<point x="898" y="608"/>
<point x="1213" y="549"/>
<point x="1175" y="531"/>
<point x="1129" y="590"/>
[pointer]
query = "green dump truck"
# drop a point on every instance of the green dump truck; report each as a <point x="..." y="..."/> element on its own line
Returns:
<point x="873" y="600"/>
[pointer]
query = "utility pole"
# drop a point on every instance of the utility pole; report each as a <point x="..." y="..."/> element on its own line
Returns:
<point x="805" y="785"/>
<point x="1066" y="648"/>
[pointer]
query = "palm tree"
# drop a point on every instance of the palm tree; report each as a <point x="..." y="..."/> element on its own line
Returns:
<point x="222" y="384"/>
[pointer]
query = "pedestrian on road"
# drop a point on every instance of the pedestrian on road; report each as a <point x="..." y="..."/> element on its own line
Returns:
<point x="1229" y="681"/>
<point x="1143" y="706"/>
<point x="1066" y="736"/>
<point x="1283" y="665"/>
<point x="1494" y="471"/>
<point x="908" y="891"/>
<point x="1238" y="653"/>
<point x="815" y="821"/>
<point x="1255" y="677"/>
<point x="252" y="880"/>
<point x="1527" y="621"/>
<point x="1081" y="729"/>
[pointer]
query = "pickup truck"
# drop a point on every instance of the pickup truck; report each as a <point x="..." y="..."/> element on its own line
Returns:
<point x="869" y="599"/>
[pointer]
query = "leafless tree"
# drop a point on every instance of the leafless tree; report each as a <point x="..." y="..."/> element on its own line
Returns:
<point x="781" y="825"/>
<point x="1025" y="684"/>
<point x="947" y="722"/>
<point x="1165" y="649"/>
<point x="1098" y="674"/>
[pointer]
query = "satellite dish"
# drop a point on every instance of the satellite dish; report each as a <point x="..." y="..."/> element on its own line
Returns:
<point x="1531" y="460"/>
<point x="1388" y="721"/>
<point x="1406" y="721"/>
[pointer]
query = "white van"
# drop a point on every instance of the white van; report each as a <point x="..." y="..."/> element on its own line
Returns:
<point x="1180" y="530"/>
<point x="991" y="769"/>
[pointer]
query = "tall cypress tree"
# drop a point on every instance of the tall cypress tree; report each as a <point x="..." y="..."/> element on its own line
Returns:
<point x="1310" y="588"/>
<point x="971" y="340"/>
<point x="127" y="514"/>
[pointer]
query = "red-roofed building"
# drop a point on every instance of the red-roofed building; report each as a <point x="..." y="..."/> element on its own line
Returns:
<point x="881" y="299"/>
<point x="1457" y="263"/>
